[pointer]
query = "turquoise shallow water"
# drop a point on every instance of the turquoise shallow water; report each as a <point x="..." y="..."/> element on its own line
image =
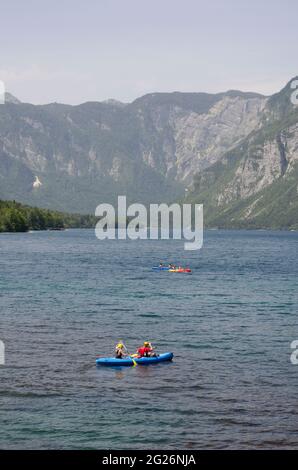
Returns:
<point x="65" y="298"/>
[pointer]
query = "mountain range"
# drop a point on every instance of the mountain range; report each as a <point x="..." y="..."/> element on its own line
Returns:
<point x="255" y="184"/>
<point x="236" y="152"/>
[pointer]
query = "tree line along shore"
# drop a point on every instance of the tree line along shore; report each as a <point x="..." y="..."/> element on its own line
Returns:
<point x="17" y="217"/>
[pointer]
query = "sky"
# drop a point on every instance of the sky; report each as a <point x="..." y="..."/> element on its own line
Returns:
<point x="72" y="51"/>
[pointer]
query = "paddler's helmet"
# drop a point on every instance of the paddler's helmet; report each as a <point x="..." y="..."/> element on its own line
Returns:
<point x="119" y="346"/>
<point x="146" y="344"/>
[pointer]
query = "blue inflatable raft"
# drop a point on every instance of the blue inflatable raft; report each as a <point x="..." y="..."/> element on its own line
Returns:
<point x="160" y="268"/>
<point x="127" y="361"/>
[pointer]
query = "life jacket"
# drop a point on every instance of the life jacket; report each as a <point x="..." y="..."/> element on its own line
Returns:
<point x="144" y="351"/>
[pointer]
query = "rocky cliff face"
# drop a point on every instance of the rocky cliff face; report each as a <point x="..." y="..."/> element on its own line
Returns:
<point x="263" y="165"/>
<point x="201" y="140"/>
<point x="187" y="139"/>
<point x="148" y="150"/>
<point x="255" y="183"/>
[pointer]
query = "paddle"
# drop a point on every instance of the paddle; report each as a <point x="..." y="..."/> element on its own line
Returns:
<point x="129" y="355"/>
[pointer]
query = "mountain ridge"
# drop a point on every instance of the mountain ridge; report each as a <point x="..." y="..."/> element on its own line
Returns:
<point x="151" y="149"/>
<point x="89" y="153"/>
<point x="255" y="185"/>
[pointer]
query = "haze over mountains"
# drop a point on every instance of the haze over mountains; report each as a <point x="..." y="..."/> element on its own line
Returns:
<point x="236" y="152"/>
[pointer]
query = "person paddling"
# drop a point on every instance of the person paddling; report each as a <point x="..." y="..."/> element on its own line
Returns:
<point x="146" y="350"/>
<point x="119" y="351"/>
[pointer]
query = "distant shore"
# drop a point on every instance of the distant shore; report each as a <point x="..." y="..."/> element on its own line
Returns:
<point x="16" y="217"/>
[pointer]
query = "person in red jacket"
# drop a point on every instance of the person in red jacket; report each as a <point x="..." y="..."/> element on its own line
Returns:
<point x="146" y="350"/>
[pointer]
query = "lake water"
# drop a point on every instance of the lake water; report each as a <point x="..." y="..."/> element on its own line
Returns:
<point x="66" y="298"/>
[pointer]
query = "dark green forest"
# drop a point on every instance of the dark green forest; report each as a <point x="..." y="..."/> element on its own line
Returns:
<point x="16" y="217"/>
